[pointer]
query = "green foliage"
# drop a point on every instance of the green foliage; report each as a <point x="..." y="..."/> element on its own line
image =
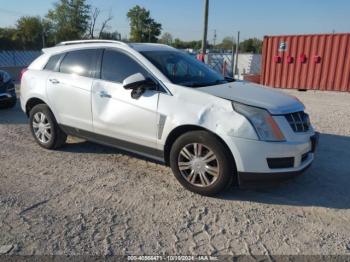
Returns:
<point x="251" y="45"/>
<point x="9" y="39"/>
<point x="30" y="31"/>
<point x="226" y="44"/>
<point x="110" y="35"/>
<point x="28" y="34"/>
<point x="187" y="44"/>
<point x="69" y="19"/>
<point x="143" y="28"/>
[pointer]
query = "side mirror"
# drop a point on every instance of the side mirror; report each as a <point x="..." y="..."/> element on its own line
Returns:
<point x="138" y="80"/>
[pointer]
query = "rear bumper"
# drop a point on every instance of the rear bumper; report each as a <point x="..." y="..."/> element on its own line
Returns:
<point x="254" y="179"/>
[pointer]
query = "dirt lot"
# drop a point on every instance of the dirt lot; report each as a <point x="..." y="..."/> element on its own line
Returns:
<point x="90" y="199"/>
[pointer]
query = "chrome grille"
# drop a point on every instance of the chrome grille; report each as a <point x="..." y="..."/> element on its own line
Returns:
<point x="298" y="121"/>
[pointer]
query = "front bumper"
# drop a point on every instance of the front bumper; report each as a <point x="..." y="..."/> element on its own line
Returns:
<point x="260" y="179"/>
<point x="5" y="96"/>
<point x="251" y="156"/>
<point x="8" y="96"/>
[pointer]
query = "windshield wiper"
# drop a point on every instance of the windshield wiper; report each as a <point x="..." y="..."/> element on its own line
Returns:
<point x="195" y="84"/>
<point x="217" y="82"/>
<point x="229" y="79"/>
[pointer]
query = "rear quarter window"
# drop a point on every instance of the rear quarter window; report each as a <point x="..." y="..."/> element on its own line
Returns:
<point x="52" y="64"/>
<point x="80" y="62"/>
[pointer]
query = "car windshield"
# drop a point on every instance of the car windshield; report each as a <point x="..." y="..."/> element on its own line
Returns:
<point x="183" y="69"/>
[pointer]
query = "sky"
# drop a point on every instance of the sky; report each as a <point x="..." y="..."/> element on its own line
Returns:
<point x="184" y="18"/>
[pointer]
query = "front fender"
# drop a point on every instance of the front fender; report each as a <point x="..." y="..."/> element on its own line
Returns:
<point x="197" y="109"/>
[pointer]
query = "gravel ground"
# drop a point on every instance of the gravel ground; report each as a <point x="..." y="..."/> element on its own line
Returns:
<point x="90" y="199"/>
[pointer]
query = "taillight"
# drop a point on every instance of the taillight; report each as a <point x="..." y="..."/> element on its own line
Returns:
<point x="22" y="73"/>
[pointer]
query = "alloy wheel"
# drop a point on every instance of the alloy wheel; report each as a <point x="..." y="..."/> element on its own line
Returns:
<point x="42" y="128"/>
<point x="198" y="164"/>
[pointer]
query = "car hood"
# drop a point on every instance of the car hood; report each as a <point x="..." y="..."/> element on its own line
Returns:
<point x="274" y="101"/>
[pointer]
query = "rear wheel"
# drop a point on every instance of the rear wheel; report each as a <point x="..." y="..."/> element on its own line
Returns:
<point x="45" y="129"/>
<point x="201" y="163"/>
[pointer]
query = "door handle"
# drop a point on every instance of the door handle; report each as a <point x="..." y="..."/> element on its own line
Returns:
<point x="54" y="81"/>
<point x="104" y="94"/>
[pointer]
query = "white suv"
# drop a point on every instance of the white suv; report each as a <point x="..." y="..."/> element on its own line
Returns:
<point x="160" y="103"/>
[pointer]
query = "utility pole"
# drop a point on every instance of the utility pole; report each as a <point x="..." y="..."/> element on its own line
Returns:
<point x="237" y="51"/>
<point x="205" y="31"/>
<point x="233" y="57"/>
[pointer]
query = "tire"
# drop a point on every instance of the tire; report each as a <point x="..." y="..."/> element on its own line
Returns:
<point x="208" y="173"/>
<point x="45" y="129"/>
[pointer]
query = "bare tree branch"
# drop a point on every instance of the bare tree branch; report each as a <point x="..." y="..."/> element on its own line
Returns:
<point x="105" y="24"/>
<point x="94" y="16"/>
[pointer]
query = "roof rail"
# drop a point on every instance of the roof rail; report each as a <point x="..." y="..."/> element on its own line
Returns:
<point x="76" y="42"/>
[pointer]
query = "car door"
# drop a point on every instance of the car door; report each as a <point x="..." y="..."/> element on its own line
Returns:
<point x="115" y="113"/>
<point x="69" y="89"/>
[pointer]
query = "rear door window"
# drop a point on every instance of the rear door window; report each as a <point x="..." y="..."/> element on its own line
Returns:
<point x="116" y="66"/>
<point x="81" y="62"/>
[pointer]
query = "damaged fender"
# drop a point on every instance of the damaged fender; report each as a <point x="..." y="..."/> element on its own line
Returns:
<point x="219" y="118"/>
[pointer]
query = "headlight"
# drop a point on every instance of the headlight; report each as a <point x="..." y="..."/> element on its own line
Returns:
<point x="265" y="126"/>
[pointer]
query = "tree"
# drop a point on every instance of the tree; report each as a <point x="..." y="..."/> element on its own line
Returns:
<point x="95" y="13"/>
<point x="166" y="38"/>
<point x="251" y="45"/>
<point x="93" y="20"/>
<point x="143" y="28"/>
<point x="30" y="32"/>
<point x="105" y="25"/>
<point x="70" y="19"/>
<point x="9" y="39"/>
<point x="184" y="45"/>
<point x="227" y="43"/>
<point x="110" y="35"/>
<point x="48" y="33"/>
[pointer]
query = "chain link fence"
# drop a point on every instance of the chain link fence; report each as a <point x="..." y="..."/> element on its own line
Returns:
<point x="14" y="61"/>
<point x="17" y="58"/>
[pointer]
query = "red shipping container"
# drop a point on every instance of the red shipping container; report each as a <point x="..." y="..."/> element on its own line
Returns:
<point x="319" y="62"/>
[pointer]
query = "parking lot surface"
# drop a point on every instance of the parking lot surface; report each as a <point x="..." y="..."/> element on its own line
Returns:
<point x="90" y="199"/>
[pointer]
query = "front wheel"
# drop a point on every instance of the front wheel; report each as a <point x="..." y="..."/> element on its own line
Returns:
<point x="201" y="163"/>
